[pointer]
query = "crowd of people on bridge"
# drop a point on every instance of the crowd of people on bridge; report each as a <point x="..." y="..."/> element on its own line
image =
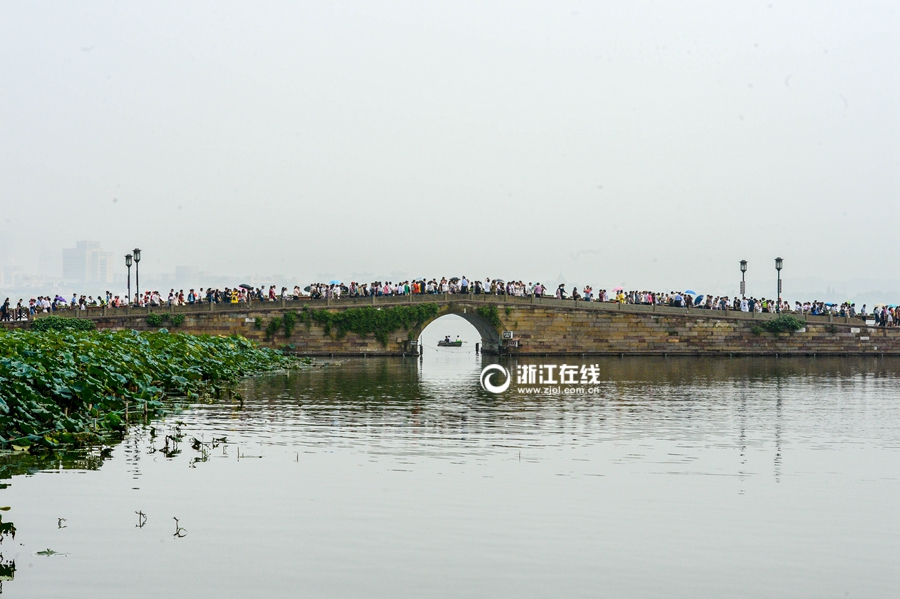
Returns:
<point x="884" y="315"/>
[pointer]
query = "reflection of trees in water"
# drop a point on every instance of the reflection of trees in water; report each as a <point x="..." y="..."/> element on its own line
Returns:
<point x="355" y="384"/>
<point x="382" y="381"/>
<point x="688" y="369"/>
<point x="15" y="464"/>
<point x="18" y="463"/>
<point x="644" y="396"/>
<point x="7" y="529"/>
<point x="377" y="384"/>
<point x="7" y="566"/>
<point x="358" y="394"/>
<point x="7" y="570"/>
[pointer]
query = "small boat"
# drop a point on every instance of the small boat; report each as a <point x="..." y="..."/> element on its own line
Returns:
<point x="448" y="343"/>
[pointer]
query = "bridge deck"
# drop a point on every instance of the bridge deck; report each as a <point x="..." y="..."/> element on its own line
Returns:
<point x="499" y="300"/>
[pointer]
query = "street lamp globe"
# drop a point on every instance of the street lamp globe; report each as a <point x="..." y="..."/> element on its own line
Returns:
<point x="137" y="255"/>
<point x="128" y="260"/>
<point x="743" y="266"/>
<point x="778" y="263"/>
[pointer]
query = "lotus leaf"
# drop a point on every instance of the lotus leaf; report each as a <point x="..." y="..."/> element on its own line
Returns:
<point x="58" y="382"/>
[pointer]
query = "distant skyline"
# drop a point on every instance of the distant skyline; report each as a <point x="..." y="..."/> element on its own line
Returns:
<point x="759" y="284"/>
<point x="643" y="144"/>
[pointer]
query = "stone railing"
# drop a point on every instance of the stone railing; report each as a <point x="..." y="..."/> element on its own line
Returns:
<point x="347" y="302"/>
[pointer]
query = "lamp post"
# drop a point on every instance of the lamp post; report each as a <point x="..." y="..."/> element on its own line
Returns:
<point x="743" y="282"/>
<point x="128" y="264"/>
<point x="778" y="264"/>
<point x="137" y="274"/>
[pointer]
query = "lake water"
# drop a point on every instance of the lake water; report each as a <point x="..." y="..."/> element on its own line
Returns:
<point x="685" y="477"/>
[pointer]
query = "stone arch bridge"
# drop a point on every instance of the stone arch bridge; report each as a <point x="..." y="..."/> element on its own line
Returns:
<point x="519" y="325"/>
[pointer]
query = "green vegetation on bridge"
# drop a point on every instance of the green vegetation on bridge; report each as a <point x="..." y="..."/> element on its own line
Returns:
<point x="783" y="323"/>
<point x="366" y="320"/>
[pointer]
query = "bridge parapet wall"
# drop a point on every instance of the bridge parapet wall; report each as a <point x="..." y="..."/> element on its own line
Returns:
<point x="554" y="331"/>
<point x="541" y="326"/>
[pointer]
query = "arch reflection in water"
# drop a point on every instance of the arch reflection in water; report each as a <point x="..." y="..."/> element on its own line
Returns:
<point x="448" y="372"/>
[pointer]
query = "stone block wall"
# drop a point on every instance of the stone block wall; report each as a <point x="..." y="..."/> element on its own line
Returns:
<point x="538" y="327"/>
<point x="306" y="340"/>
<point x="558" y="331"/>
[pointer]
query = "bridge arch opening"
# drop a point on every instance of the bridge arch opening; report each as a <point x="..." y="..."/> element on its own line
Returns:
<point x="470" y="327"/>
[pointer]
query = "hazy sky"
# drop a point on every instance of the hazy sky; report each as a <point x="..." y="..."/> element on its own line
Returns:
<point x="650" y="144"/>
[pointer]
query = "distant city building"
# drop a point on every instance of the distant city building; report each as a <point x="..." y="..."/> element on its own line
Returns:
<point x="5" y="246"/>
<point x="187" y="275"/>
<point x="11" y="274"/>
<point x="87" y="263"/>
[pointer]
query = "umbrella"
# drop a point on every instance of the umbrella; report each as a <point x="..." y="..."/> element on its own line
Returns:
<point x="691" y="291"/>
<point x="245" y="286"/>
<point x="829" y="305"/>
<point x="454" y="279"/>
<point x="698" y="300"/>
<point x="618" y="288"/>
<point x="335" y="282"/>
<point x="307" y="288"/>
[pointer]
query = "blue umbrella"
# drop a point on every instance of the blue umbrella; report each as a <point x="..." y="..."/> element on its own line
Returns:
<point x="698" y="300"/>
<point x="691" y="291"/>
<point x="334" y="282"/>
